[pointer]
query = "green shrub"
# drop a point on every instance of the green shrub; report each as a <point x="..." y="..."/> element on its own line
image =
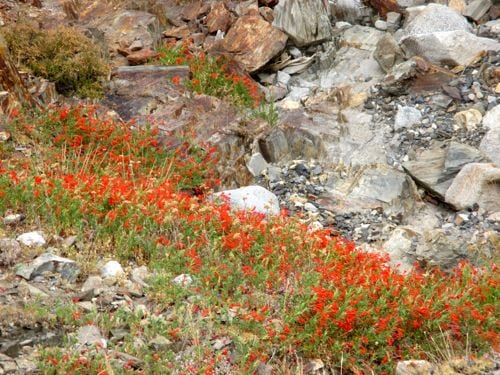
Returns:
<point x="62" y="55"/>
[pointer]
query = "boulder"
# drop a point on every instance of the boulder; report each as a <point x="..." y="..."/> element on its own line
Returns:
<point x="219" y="18"/>
<point x="47" y="262"/>
<point x="435" y="168"/>
<point x="123" y="27"/>
<point x="476" y="9"/>
<point x="432" y="18"/>
<point x="373" y="187"/>
<point x="442" y="36"/>
<point x="254" y="42"/>
<point x="476" y="184"/>
<point x="306" y="22"/>
<point x="252" y="198"/>
<point x="448" y="47"/>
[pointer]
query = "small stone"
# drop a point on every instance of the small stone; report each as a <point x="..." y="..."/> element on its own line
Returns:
<point x="468" y="119"/>
<point x="90" y="335"/>
<point x="414" y="367"/>
<point x="477" y="9"/>
<point x="136" y="45"/>
<point x="393" y="20"/>
<point x="139" y="275"/>
<point x="219" y="344"/>
<point x="111" y="269"/>
<point x="381" y="25"/>
<point x="7" y="365"/>
<point x="86" y="306"/>
<point x="406" y="117"/>
<point x="141" y="57"/>
<point x="310" y="207"/>
<point x="494" y="217"/>
<point x="460" y="219"/>
<point x="32" y="239"/>
<point x="95" y="284"/>
<point x="10" y="251"/>
<point x="13" y="219"/>
<point x="313" y="366"/>
<point x="183" y="280"/>
<point x="257" y="164"/>
<point x="160" y="343"/>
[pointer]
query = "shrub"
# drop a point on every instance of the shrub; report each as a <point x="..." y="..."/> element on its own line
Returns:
<point x="62" y="55"/>
<point x="278" y="290"/>
<point x="211" y="76"/>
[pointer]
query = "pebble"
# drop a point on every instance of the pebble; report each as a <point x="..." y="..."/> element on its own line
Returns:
<point x="32" y="239"/>
<point x="111" y="269"/>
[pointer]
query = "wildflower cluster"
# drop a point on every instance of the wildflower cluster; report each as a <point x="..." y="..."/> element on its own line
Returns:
<point x="210" y="76"/>
<point x="276" y="289"/>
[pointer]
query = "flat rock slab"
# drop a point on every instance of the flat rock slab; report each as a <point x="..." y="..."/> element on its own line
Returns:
<point x="376" y="186"/>
<point x="448" y="47"/>
<point x="306" y="22"/>
<point x="477" y="183"/>
<point x="434" y="169"/>
<point x="47" y="262"/>
<point x="254" y="42"/>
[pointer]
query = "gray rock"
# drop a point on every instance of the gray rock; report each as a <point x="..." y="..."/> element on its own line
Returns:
<point x="406" y="117"/>
<point x="252" y="198"/>
<point x="435" y="168"/>
<point x="477" y="9"/>
<point x="283" y="78"/>
<point x="305" y="21"/>
<point x="387" y="52"/>
<point x="492" y="118"/>
<point x="94" y="284"/>
<point x="393" y="20"/>
<point x="31" y="239"/>
<point x="47" y="262"/>
<point x="409" y="3"/>
<point x="111" y="269"/>
<point x="89" y="335"/>
<point x="432" y="18"/>
<point x="127" y="27"/>
<point x="452" y="48"/>
<point x="10" y="251"/>
<point x="373" y="187"/>
<point x="8" y="365"/>
<point x="183" y="280"/>
<point x="140" y="275"/>
<point x="362" y="37"/>
<point x="414" y="367"/>
<point x="136" y="45"/>
<point x="381" y="25"/>
<point x="274" y="147"/>
<point x="401" y="248"/>
<point x="490" y="145"/>
<point x="13" y="219"/>
<point x="257" y="164"/>
<point x="477" y="183"/>
<point x="442" y="249"/>
<point x="159" y="343"/>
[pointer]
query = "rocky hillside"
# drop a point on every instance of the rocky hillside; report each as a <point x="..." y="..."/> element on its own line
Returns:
<point x="228" y="187"/>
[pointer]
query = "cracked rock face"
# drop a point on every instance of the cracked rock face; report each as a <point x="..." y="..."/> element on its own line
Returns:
<point x="306" y="22"/>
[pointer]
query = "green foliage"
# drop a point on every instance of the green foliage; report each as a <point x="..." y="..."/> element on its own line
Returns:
<point x="62" y="55"/>
<point x="211" y="76"/>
